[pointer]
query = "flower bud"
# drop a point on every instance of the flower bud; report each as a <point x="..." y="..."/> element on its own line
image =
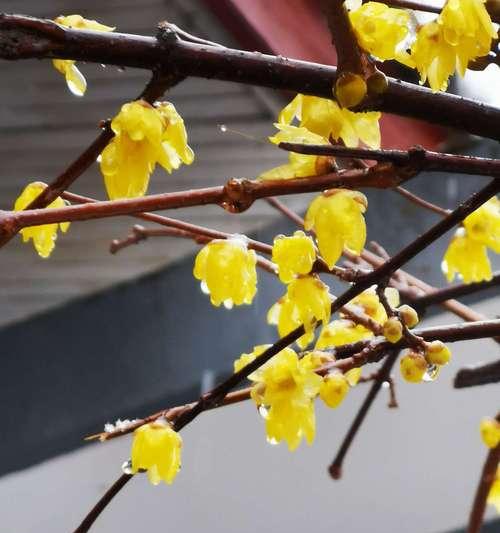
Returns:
<point x="393" y="329"/>
<point x="437" y="353"/>
<point x="408" y="315"/>
<point x="413" y="367"/>
<point x="334" y="389"/>
<point x="350" y="89"/>
<point x="490" y="432"/>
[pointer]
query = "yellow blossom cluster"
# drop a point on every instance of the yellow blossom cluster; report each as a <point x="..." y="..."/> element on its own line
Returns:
<point x="156" y="447"/>
<point x="44" y="236"/>
<point x="418" y="365"/>
<point x="74" y="78"/>
<point x="227" y="271"/>
<point x="467" y="254"/>
<point x="462" y="32"/>
<point x="144" y="136"/>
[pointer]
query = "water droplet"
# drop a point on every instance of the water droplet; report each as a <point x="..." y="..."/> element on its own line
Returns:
<point x="431" y="373"/>
<point x="263" y="411"/>
<point x="272" y="441"/>
<point x="223" y="128"/>
<point x="99" y="158"/>
<point x="204" y="288"/>
<point x="386" y="385"/>
<point x="103" y="65"/>
<point x="127" y="467"/>
<point x="228" y="304"/>
<point x="121" y="69"/>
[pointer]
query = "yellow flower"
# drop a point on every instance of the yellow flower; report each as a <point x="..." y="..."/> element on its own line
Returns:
<point x="437" y="353"/>
<point x="144" y="135"/>
<point x="286" y="387"/>
<point x="227" y="270"/>
<point x="490" y="432"/>
<point x="483" y="225"/>
<point x="467" y="258"/>
<point x="413" y="367"/>
<point x="74" y="78"/>
<point x="494" y="494"/>
<point x="157" y="448"/>
<point x="334" y="389"/>
<point x="340" y="332"/>
<point x="336" y="217"/>
<point x="462" y="32"/>
<point x="380" y="30"/>
<point x="245" y="358"/>
<point x="293" y="255"/>
<point x="324" y="117"/>
<point x="306" y="302"/>
<point x="408" y="315"/>
<point x="370" y="304"/>
<point x="350" y="89"/>
<point x="44" y="237"/>
<point x="299" y="165"/>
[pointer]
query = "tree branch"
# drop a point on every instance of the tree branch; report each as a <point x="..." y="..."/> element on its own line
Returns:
<point x="478" y="375"/>
<point x="23" y="37"/>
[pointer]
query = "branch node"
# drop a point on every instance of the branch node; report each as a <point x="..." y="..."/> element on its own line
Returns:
<point x="238" y="194"/>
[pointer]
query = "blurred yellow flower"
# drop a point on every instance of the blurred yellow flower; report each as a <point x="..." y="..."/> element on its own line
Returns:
<point x="483" y="225"/>
<point x="381" y="30"/>
<point x="144" y="135"/>
<point x="306" y="302"/>
<point x="44" y="236"/>
<point x="334" y="389"/>
<point x="324" y="117"/>
<point x="341" y="332"/>
<point x="494" y="493"/>
<point x="293" y="255"/>
<point x="74" y="78"/>
<point x="336" y="216"/>
<point x="413" y="367"/>
<point x="157" y="448"/>
<point x="467" y="258"/>
<point x="285" y="387"/>
<point x="227" y="271"/>
<point x="437" y="353"/>
<point x="490" y="432"/>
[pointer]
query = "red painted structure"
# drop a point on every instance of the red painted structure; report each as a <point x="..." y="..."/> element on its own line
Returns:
<point x="296" y="28"/>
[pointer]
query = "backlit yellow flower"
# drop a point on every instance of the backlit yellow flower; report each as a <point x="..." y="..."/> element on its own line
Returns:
<point x="490" y="432"/>
<point x="340" y="332"/>
<point x="483" y="225"/>
<point x="380" y="30"/>
<point x="227" y="270"/>
<point x="286" y="387"/>
<point x="334" y="389"/>
<point x="144" y="135"/>
<point x="44" y="237"/>
<point x="324" y="117"/>
<point x="157" y="448"/>
<point x="74" y="78"/>
<point x="462" y="32"/>
<point x="293" y="255"/>
<point x="299" y="165"/>
<point x="467" y="258"/>
<point x="306" y="302"/>
<point x="494" y="493"/>
<point x="336" y="217"/>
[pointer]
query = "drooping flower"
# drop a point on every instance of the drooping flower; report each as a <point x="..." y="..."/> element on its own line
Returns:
<point x="462" y="32"/>
<point x="157" y="448"/>
<point x="286" y="387"/>
<point x="144" y="136"/>
<point x="490" y="432"/>
<point x="44" y="236"/>
<point x="74" y="78"/>
<point x="334" y="389"/>
<point x="293" y="255"/>
<point x="381" y="30"/>
<point x="306" y="302"/>
<point x="413" y="367"/>
<point x="483" y="225"/>
<point x="336" y="216"/>
<point x="467" y="258"/>
<point x="324" y="117"/>
<point x="299" y="165"/>
<point x="494" y="493"/>
<point x="227" y="270"/>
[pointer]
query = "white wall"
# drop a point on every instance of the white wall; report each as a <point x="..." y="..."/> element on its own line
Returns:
<point x="413" y="469"/>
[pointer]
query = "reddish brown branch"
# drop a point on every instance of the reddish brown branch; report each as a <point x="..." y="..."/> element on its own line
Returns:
<point x="417" y="200"/>
<point x="485" y="481"/>
<point x="24" y="37"/>
<point x="478" y="375"/>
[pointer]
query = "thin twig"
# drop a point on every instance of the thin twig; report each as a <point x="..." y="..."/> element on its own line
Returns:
<point x="478" y="375"/>
<point x="421" y="202"/>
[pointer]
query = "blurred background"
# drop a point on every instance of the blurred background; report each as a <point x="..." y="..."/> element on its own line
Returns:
<point x="87" y="337"/>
